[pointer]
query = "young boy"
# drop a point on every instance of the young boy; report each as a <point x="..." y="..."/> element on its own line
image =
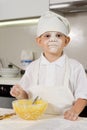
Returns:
<point x="54" y="77"/>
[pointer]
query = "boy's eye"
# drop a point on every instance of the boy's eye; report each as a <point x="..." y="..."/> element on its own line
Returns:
<point x="58" y="35"/>
<point x="47" y="35"/>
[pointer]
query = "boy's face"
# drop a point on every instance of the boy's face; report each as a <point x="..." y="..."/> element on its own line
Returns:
<point x="53" y="42"/>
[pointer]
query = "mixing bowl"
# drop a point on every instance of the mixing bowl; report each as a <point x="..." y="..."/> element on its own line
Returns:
<point x="28" y="111"/>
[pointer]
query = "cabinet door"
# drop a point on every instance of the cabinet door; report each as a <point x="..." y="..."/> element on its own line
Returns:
<point x="15" y="9"/>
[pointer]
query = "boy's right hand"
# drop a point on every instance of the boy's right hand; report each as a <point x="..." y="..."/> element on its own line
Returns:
<point x="18" y="92"/>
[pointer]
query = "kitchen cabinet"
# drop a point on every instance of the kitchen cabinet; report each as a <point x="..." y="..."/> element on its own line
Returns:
<point x="15" y="9"/>
<point x="60" y="1"/>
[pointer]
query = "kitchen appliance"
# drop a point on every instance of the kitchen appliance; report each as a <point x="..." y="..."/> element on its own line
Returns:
<point x="5" y="97"/>
<point x="68" y="6"/>
<point x="6" y="84"/>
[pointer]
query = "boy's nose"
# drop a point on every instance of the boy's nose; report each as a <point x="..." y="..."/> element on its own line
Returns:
<point x="53" y="39"/>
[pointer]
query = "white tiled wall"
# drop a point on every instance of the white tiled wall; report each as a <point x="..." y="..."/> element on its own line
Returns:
<point x="14" y="39"/>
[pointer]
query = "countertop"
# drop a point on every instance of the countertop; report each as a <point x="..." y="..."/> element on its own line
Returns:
<point x="9" y="81"/>
<point x="46" y="122"/>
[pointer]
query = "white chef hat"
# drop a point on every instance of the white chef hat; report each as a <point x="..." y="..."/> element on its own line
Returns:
<point x="53" y="22"/>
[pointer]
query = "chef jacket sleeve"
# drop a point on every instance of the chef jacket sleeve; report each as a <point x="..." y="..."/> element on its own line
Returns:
<point x="25" y="80"/>
<point x="81" y="83"/>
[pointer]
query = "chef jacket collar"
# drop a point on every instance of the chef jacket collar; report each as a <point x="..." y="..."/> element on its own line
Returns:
<point x="60" y="61"/>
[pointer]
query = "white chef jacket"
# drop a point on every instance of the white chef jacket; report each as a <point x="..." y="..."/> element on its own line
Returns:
<point x="52" y="73"/>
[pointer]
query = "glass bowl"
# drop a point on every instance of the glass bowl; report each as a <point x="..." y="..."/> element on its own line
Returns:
<point x="28" y="111"/>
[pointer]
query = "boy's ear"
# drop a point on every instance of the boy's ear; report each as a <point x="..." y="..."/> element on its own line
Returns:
<point x="38" y="41"/>
<point x="67" y="40"/>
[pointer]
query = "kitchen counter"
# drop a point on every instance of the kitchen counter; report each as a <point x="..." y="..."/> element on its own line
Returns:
<point x="46" y="122"/>
<point x="9" y="81"/>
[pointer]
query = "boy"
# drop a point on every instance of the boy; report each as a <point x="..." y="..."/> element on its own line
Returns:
<point x="55" y="77"/>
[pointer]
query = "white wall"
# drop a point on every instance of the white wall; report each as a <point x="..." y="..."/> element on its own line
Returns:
<point x="78" y="45"/>
<point x="14" y="39"/>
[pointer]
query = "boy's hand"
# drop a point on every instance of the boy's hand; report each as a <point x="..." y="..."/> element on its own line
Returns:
<point x="71" y="115"/>
<point x="76" y="109"/>
<point x="18" y="92"/>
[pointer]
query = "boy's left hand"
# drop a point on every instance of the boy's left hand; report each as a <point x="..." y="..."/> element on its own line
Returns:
<point x="71" y="115"/>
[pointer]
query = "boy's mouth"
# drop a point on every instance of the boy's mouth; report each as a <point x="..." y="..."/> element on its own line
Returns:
<point x="52" y="46"/>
